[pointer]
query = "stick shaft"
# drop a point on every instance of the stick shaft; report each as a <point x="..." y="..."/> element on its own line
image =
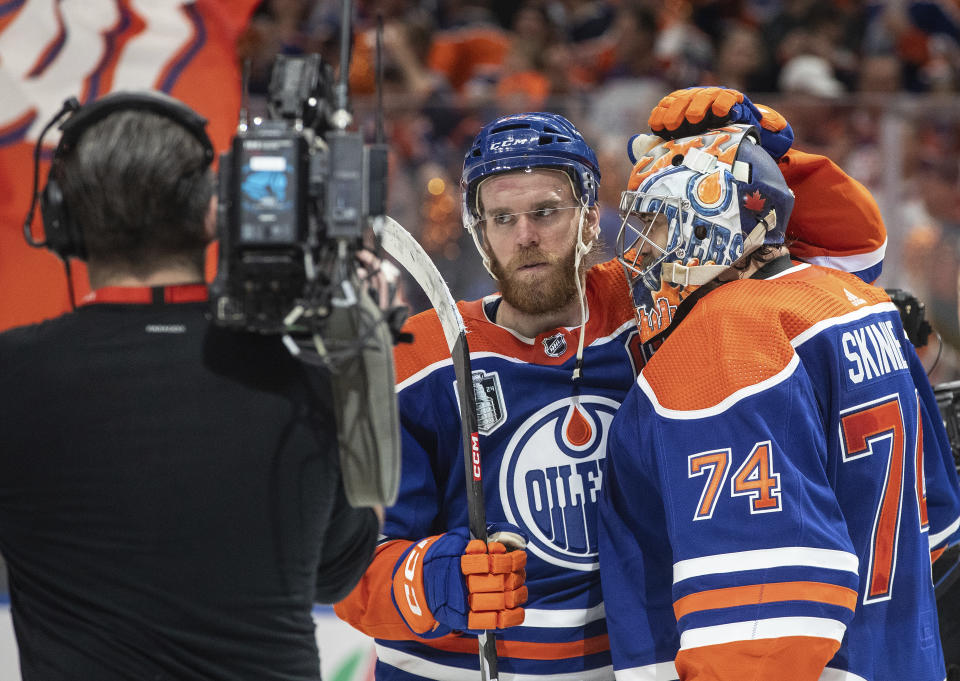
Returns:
<point x="400" y="244"/>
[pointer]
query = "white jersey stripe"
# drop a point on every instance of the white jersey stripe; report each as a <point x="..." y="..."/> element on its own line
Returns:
<point x="944" y="534"/>
<point x="430" y="368"/>
<point x="860" y="313"/>
<point x="425" y="371"/>
<point x="606" y="339"/>
<point x="667" y="671"/>
<point x="662" y="671"/>
<point x="829" y="674"/>
<point x="439" y="364"/>
<point x="851" y="263"/>
<point x="789" y="271"/>
<point x="724" y="404"/>
<point x="762" y="559"/>
<point x="557" y="619"/>
<point x="774" y="627"/>
<point x="443" y="672"/>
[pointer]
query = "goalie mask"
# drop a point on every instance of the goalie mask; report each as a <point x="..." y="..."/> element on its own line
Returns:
<point x="526" y="141"/>
<point x="693" y="207"/>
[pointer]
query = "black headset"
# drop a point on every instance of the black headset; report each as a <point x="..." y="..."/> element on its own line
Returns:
<point x="62" y="235"/>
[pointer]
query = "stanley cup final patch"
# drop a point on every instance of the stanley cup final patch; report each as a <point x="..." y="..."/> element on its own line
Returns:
<point x="491" y="411"/>
<point x="555" y="345"/>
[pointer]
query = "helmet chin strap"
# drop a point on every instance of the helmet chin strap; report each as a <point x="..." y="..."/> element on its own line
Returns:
<point x="698" y="275"/>
<point x="487" y="263"/>
<point x="581" y="250"/>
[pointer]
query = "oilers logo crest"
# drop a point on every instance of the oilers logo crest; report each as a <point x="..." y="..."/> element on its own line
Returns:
<point x="550" y="479"/>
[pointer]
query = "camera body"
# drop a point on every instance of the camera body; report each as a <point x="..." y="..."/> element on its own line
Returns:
<point x="912" y="314"/>
<point x="295" y="192"/>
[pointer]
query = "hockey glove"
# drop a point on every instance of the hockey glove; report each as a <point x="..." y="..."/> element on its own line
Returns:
<point x="450" y="582"/>
<point x="695" y="110"/>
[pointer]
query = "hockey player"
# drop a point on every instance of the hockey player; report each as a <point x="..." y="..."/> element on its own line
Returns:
<point x="529" y="189"/>
<point x="765" y="515"/>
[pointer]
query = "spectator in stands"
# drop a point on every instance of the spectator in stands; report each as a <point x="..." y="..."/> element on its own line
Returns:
<point x="739" y="61"/>
<point x="932" y="251"/>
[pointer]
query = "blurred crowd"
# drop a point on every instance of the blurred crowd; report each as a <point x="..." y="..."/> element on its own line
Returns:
<point x="524" y="52"/>
<point x="873" y="85"/>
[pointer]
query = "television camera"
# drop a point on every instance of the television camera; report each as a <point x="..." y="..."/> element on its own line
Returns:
<point x="296" y="193"/>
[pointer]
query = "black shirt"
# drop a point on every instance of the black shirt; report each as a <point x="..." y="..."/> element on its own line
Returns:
<point x="170" y="499"/>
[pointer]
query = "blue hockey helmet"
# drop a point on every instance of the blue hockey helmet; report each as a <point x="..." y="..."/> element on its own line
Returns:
<point x="527" y="141"/>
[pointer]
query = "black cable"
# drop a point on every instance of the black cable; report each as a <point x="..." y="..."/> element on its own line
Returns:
<point x="70" y="291"/>
<point x="939" y="352"/>
<point x="70" y="105"/>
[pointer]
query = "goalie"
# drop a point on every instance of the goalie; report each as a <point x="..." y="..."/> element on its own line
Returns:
<point x="780" y="437"/>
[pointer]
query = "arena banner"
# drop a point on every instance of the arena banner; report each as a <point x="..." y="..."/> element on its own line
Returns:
<point x="52" y="49"/>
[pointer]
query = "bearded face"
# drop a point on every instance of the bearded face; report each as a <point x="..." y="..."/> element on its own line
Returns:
<point x="534" y="281"/>
<point x="530" y="227"/>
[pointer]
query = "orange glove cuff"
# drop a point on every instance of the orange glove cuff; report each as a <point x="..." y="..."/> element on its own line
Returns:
<point x="771" y="120"/>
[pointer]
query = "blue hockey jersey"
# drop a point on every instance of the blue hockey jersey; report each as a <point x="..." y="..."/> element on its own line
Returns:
<point x="543" y="438"/>
<point x="764" y="512"/>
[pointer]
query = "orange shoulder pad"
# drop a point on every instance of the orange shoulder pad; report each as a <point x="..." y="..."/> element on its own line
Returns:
<point x="834" y="215"/>
<point x="429" y="345"/>
<point x="730" y="340"/>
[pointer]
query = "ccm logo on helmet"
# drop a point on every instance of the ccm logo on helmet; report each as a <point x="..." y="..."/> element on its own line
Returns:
<point x="506" y="144"/>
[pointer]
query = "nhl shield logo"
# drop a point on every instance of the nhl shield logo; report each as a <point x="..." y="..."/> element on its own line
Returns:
<point x="555" y="345"/>
<point x="491" y="411"/>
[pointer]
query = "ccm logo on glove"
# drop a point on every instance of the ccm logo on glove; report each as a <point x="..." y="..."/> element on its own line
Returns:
<point x="449" y="582"/>
<point x="410" y="573"/>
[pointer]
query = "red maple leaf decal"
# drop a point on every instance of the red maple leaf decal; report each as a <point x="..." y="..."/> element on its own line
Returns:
<point x="754" y="202"/>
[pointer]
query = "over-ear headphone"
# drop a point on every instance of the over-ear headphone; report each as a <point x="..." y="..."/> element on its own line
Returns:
<point x="63" y="236"/>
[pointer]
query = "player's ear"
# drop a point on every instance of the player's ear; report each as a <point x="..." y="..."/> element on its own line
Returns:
<point x="591" y="224"/>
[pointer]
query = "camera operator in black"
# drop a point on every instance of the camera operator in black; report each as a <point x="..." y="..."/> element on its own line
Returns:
<point x="170" y="498"/>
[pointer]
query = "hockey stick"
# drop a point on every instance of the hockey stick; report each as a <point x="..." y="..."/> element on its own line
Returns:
<point x="400" y="244"/>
